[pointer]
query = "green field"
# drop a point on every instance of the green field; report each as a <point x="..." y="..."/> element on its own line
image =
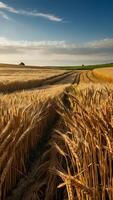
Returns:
<point x="86" y="67"/>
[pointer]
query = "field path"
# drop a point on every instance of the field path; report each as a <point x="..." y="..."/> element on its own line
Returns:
<point x="28" y="183"/>
<point x="35" y="84"/>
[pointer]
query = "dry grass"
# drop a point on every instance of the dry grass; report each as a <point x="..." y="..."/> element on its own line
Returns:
<point x="24" y="98"/>
<point x="87" y="144"/>
<point x="88" y="76"/>
<point x="78" y="161"/>
<point x="30" y="84"/>
<point x="9" y="75"/>
<point x="106" y="74"/>
<point x="18" y="79"/>
<point x="24" y="119"/>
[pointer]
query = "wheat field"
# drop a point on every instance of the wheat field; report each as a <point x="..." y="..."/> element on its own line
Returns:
<point x="77" y="161"/>
<point x="106" y="74"/>
<point x="56" y="140"/>
<point x="16" y="78"/>
<point x="24" y="117"/>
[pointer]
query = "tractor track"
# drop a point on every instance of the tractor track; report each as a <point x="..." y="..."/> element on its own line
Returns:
<point x="26" y="182"/>
<point x="34" y="84"/>
<point x="77" y="79"/>
<point x="88" y="76"/>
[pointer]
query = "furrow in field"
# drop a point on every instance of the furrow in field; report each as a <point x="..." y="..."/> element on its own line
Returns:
<point x="28" y="181"/>
<point x="77" y="78"/>
<point x="89" y="77"/>
<point x="34" y="155"/>
<point x="44" y="155"/>
<point x="27" y="119"/>
<point x="30" y="84"/>
<point x="30" y="139"/>
<point x="37" y="124"/>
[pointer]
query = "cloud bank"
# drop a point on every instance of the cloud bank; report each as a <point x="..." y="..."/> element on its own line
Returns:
<point x="56" y="52"/>
<point x="5" y="7"/>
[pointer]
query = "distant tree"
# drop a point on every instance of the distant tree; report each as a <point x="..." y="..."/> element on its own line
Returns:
<point x="82" y="65"/>
<point x="22" y="63"/>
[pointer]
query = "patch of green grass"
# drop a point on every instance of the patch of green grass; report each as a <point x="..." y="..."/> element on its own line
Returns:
<point x="85" y="67"/>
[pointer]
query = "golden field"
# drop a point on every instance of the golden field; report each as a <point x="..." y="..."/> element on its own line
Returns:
<point x="56" y="140"/>
<point x="16" y="77"/>
<point x="16" y="74"/>
<point x="106" y="74"/>
<point x="21" y="119"/>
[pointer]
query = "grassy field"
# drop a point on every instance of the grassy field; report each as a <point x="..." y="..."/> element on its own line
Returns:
<point x="56" y="139"/>
<point x="85" y="67"/>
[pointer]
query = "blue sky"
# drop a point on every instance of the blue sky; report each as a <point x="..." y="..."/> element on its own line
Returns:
<point x="61" y="31"/>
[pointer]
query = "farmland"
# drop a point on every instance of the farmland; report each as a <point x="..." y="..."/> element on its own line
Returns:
<point x="104" y="74"/>
<point x="56" y="137"/>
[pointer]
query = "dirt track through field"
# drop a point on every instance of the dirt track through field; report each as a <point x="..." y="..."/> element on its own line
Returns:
<point x="29" y="179"/>
<point x="35" y="84"/>
<point x="26" y="183"/>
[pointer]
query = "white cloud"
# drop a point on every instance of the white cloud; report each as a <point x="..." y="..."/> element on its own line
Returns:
<point x="105" y="43"/>
<point x="55" y="52"/>
<point x="3" y="15"/>
<point x="4" y="42"/>
<point x="48" y="16"/>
